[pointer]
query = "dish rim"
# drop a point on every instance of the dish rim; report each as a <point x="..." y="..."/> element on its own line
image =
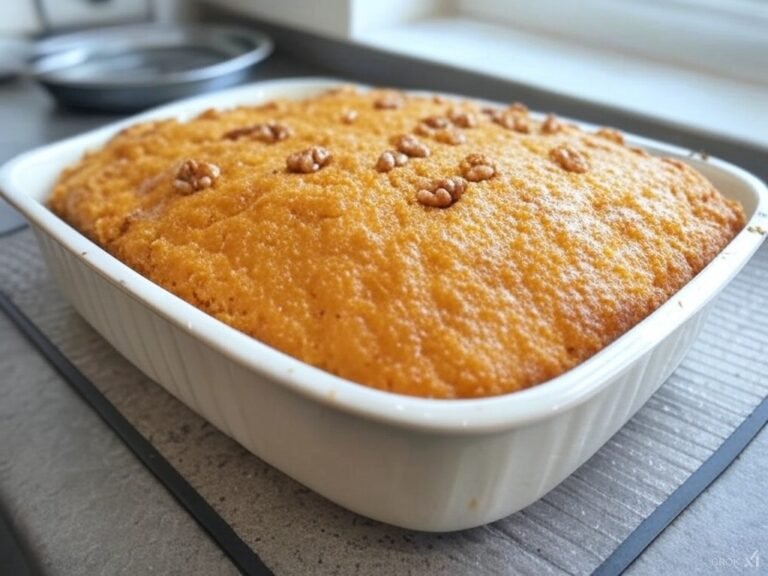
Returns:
<point x="465" y="416"/>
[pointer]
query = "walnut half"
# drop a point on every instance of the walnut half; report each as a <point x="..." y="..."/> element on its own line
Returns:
<point x="551" y="125"/>
<point x="462" y="119"/>
<point x="436" y="122"/>
<point x="390" y="159"/>
<point x="569" y="159"/>
<point x="349" y="116"/>
<point x="450" y="136"/>
<point x="477" y="167"/>
<point x="610" y="134"/>
<point x="442" y="193"/>
<point x="412" y="146"/>
<point x="309" y="160"/>
<point x="513" y="121"/>
<point x="389" y="102"/>
<point x="268" y="132"/>
<point x="193" y="176"/>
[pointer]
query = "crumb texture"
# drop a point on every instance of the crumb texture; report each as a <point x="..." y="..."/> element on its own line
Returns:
<point x="414" y="244"/>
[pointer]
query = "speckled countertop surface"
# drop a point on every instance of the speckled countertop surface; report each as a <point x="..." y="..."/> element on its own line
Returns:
<point x="81" y="503"/>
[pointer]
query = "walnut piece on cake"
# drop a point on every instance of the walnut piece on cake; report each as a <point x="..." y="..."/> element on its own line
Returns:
<point x="309" y="160"/>
<point x="193" y="176"/>
<point x="443" y="192"/>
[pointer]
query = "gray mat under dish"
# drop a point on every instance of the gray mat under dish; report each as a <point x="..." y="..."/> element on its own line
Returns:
<point x="570" y="531"/>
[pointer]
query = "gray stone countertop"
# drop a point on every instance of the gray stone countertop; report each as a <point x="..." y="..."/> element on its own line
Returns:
<point x="69" y="488"/>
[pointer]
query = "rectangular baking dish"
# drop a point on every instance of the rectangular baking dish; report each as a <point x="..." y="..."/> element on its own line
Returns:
<point x="435" y="465"/>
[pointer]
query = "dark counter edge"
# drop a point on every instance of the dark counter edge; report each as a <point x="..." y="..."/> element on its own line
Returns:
<point x="652" y="527"/>
<point x="242" y="555"/>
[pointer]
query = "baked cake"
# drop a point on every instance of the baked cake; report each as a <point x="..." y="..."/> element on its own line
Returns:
<point x="421" y="245"/>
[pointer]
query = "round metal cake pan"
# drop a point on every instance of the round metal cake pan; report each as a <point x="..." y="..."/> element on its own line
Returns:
<point x="129" y="68"/>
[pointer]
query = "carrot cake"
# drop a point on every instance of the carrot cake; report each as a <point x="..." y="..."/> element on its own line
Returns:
<point x="416" y="244"/>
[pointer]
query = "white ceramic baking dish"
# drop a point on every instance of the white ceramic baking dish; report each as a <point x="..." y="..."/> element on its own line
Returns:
<point x="435" y="465"/>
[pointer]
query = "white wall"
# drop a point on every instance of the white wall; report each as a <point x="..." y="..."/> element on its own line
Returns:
<point x="19" y="17"/>
<point x="341" y="19"/>
<point x="326" y="17"/>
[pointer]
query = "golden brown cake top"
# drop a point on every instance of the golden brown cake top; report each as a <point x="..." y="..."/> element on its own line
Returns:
<point x="421" y="245"/>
